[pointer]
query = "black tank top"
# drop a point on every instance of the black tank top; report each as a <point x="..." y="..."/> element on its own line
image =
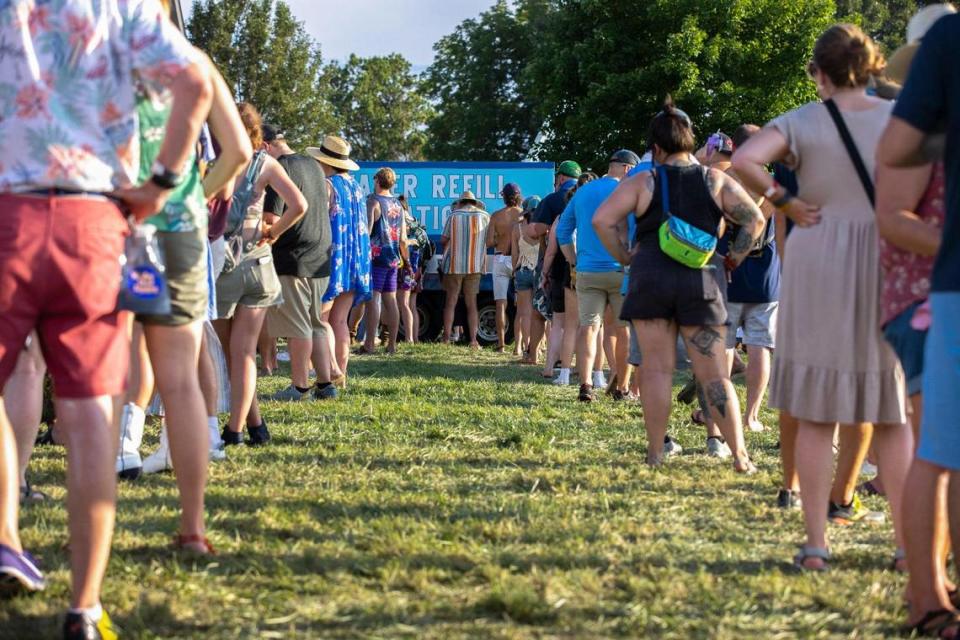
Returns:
<point x="690" y="200"/>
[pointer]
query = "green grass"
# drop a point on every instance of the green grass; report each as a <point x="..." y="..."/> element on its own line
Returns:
<point x="453" y="495"/>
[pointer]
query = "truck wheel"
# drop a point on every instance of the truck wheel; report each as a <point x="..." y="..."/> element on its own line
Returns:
<point x="430" y="310"/>
<point x="487" y="326"/>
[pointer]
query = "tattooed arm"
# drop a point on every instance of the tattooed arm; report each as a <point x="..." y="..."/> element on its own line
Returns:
<point x="740" y="209"/>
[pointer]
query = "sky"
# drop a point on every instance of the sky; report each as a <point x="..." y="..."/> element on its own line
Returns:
<point x="379" y="27"/>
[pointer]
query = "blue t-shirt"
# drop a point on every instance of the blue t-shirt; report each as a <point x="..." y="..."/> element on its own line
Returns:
<point x="552" y="205"/>
<point x="592" y="256"/>
<point x="930" y="101"/>
<point x="757" y="279"/>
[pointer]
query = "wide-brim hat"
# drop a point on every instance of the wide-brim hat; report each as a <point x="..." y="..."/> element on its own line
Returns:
<point x="898" y="65"/>
<point x="335" y="151"/>
<point x="467" y="197"/>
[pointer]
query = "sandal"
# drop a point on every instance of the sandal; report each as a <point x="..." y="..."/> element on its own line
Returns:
<point x="807" y="552"/>
<point x="934" y="623"/>
<point x="191" y="543"/>
<point x="697" y="417"/>
<point x="29" y="495"/>
<point x="746" y="469"/>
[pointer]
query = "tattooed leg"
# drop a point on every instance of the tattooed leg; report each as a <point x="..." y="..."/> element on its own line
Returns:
<point x="704" y="339"/>
<point x="717" y="397"/>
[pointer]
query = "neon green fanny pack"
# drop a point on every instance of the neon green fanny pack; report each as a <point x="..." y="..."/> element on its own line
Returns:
<point x="689" y="245"/>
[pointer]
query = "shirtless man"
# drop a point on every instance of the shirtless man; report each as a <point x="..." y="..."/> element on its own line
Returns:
<point x="500" y="236"/>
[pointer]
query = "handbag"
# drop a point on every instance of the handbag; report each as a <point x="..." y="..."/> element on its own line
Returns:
<point x="852" y="151"/>
<point x="689" y="245"/>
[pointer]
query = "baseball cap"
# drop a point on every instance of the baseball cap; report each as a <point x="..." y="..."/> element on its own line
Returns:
<point x="531" y="203"/>
<point x="570" y="169"/>
<point x="719" y="142"/>
<point x="510" y="189"/>
<point x="271" y="132"/>
<point x="625" y="156"/>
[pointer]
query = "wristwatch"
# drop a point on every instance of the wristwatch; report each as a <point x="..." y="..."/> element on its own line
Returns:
<point x="163" y="177"/>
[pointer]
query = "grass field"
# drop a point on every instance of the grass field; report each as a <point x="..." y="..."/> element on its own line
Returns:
<point x="456" y="495"/>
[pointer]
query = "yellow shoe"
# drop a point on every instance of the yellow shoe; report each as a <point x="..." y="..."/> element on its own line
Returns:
<point x="79" y="626"/>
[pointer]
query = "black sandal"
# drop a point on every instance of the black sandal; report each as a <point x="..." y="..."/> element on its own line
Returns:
<point x="934" y="623"/>
<point x="806" y="553"/>
<point x="29" y="495"/>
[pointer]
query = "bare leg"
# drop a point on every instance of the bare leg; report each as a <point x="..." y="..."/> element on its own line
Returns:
<point x="501" y="324"/>
<point x="894" y="446"/>
<point x="244" y="334"/>
<point x="330" y="349"/>
<point x="814" y="465"/>
<point x="355" y="315"/>
<point x="9" y="484"/>
<point x="451" y="287"/>
<point x="586" y="352"/>
<point x="207" y="374"/>
<point x="657" y="339"/>
<point x="522" y="322"/>
<point x="571" y="324"/>
<point x="416" y="316"/>
<point x="91" y="435"/>
<point x="390" y="313"/>
<point x="175" y="355"/>
<point x="537" y="326"/>
<point x="141" y="382"/>
<point x="267" y="345"/>
<point x="473" y="319"/>
<point x="788" y="451"/>
<point x="372" y="322"/>
<point x="301" y="353"/>
<point x="924" y="527"/>
<point x="406" y="316"/>
<point x="554" y="342"/>
<point x="854" y="444"/>
<point x="25" y="387"/>
<point x="758" y="375"/>
<point x="339" y="313"/>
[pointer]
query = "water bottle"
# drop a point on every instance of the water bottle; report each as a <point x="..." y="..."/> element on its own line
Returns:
<point x="144" y="288"/>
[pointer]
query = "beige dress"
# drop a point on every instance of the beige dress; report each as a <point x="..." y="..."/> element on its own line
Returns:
<point x="832" y="363"/>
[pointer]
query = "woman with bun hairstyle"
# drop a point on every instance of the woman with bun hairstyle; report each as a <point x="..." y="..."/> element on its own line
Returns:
<point x="832" y="365"/>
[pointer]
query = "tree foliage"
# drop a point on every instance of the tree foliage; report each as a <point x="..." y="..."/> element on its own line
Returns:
<point x="381" y="110"/>
<point x="268" y="58"/>
<point x="486" y="106"/>
<point x="884" y="20"/>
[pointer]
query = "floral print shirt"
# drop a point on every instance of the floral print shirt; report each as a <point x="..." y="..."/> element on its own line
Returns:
<point x="350" y="236"/>
<point x="68" y="76"/>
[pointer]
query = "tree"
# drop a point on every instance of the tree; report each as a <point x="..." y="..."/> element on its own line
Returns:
<point x="268" y="58"/>
<point x="884" y="20"/>
<point x="602" y="69"/>
<point x="382" y="112"/>
<point x="486" y="107"/>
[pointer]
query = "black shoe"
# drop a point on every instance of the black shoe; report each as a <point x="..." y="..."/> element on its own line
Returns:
<point x="80" y="627"/>
<point x="787" y="499"/>
<point x="258" y="435"/>
<point x="689" y="392"/>
<point x="231" y="438"/>
<point x="45" y="438"/>
<point x="618" y="395"/>
<point x="586" y="393"/>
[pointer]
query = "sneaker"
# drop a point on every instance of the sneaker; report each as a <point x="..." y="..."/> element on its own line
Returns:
<point x="19" y="572"/>
<point x="129" y="464"/>
<point x="159" y="461"/>
<point x="231" y="438"/>
<point x="788" y="499"/>
<point x="671" y="447"/>
<point x="846" y="514"/>
<point x="291" y="394"/>
<point x="586" y="393"/>
<point x="217" y="452"/>
<point x="79" y="626"/>
<point x="258" y="436"/>
<point x="599" y="380"/>
<point x="328" y="392"/>
<point x="563" y="378"/>
<point x="717" y="448"/>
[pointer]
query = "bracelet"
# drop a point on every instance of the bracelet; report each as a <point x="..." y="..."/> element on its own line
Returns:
<point x="782" y="200"/>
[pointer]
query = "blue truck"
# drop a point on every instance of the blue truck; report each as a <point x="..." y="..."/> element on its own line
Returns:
<point x="431" y="188"/>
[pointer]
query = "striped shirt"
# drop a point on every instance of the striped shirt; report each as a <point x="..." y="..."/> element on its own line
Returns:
<point x="466" y="230"/>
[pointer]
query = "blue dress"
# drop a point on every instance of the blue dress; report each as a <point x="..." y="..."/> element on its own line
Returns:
<point x="350" y="266"/>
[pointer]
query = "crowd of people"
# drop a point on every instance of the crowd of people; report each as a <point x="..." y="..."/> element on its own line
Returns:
<point x="825" y="245"/>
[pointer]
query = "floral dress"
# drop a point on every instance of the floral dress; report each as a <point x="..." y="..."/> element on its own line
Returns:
<point x="350" y="237"/>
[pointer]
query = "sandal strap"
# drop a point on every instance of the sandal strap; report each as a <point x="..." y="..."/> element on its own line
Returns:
<point x="928" y="624"/>
<point x="806" y="552"/>
<point x="181" y="541"/>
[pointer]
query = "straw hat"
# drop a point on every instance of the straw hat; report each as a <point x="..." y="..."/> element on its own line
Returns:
<point x="467" y="197"/>
<point x="335" y="151"/>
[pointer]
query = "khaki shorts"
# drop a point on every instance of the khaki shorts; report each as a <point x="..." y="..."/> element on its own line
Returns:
<point x="594" y="292"/>
<point x="185" y="259"/>
<point x="253" y="283"/>
<point x="468" y="283"/>
<point x="300" y="315"/>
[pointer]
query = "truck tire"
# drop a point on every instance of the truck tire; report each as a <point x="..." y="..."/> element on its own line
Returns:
<point x="430" y="309"/>
<point x="487" y="327"/>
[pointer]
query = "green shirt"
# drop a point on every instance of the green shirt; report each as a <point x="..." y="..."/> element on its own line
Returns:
<point x="186" y="209"/>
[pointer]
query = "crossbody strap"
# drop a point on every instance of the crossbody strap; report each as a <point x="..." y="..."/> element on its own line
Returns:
<point x="664" y="191"/>
<point x="852" y="150"/>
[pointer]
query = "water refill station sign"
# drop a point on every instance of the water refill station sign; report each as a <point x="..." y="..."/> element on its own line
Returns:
<point x="432" y="187"/>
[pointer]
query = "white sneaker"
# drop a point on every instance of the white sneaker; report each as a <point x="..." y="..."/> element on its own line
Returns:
<point x="159" y="460"/>
<point x="599" y="380"/>
<point x="217" y="451"/>
<point x="563" y="378"/>
<point x="717" y="448"/>
<point x="129" y="464"/>
<point x="671" y="447"/>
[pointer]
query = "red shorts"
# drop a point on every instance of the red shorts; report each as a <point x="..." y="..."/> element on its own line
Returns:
<point x="60" y="274"/>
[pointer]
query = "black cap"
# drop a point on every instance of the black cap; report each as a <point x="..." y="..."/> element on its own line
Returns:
<point x="720" y="143"/>
<point x="271" y="132"/>
<point x="625" y="156"/>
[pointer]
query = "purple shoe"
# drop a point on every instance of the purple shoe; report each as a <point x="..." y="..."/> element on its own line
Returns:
<point x="19" y="572"/>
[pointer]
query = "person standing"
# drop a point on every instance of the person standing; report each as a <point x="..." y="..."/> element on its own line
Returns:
<point x="599" y="275"/>
<point x="419" y="252"/>
<point x="543" y="218"/>
<point x="928" y="108"/>
<point x="848" y="374"/>
<point x="524" y="254"/>
<point x="500" y="237"/>
<point x="350" y="242"/>
<point x="388" y="247"/>
<point x="63" y="234"/>
<point x="302" y="260"/>
<point x="464" y="259"/>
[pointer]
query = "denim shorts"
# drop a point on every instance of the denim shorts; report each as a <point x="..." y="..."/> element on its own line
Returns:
<point x="939" y="436"/>
<point x="908" y="344"/>
<point x="523" y="280"/>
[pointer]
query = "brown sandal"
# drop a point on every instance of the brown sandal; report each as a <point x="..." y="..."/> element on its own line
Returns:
<point x="934" y="623"/>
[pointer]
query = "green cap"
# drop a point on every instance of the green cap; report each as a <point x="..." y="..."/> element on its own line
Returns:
<point x="569" y="168"/>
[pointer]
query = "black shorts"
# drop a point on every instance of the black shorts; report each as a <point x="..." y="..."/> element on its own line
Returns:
<point x="557" y="300"/>
<point x="662" y="289"/>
